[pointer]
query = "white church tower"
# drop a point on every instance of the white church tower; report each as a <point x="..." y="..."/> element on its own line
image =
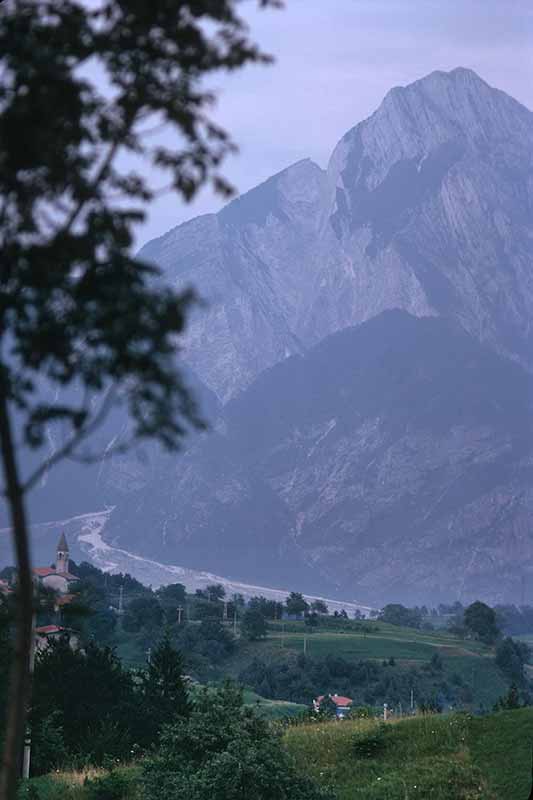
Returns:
<point x="62" y="555"/>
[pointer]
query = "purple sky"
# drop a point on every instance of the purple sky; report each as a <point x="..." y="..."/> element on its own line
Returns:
<point x="335" y="60"/>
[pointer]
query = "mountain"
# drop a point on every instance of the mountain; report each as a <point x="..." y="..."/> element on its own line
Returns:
<point x="392" y="460"/>
<point x="366" y="355"/>
<point x="425" y="206"/>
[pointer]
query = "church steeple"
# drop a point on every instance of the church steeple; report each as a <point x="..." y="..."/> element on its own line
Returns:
<point x="62" y="554"/>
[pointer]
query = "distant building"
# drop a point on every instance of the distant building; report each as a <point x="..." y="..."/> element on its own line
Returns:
<point x="57" y="577"/>
<point x="47" y="633"/>
<point x="341" y="705"/>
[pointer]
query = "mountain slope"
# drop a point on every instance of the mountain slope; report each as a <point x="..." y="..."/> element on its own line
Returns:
<point x="425" y="206"/>
<point x="391" y="460"/>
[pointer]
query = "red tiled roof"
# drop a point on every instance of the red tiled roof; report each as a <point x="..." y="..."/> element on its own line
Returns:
<point x="46" y="630"/>
<point x="338" y="699"/>
<point x="43" y="572"/>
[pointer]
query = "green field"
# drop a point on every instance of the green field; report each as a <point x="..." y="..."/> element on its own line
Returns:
<point x="454" y="757"/>
<point x="469" y="659"/>
<point x="389" y="640"/>
<point x="271" y="709"/>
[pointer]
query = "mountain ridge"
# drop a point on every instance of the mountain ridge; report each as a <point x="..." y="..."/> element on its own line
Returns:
<point x="409" y="200"/>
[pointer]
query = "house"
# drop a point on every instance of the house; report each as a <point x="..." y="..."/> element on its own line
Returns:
<point x="57" y="577"/>
<point x="341" y="705"/>
<point x="47" y="633"/>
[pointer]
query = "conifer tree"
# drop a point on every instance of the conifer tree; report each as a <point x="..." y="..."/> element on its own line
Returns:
<point x="165" y="696"/>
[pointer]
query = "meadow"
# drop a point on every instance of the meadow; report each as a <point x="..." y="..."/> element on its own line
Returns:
<point x="442" y="757"/>
<point x="450" y="757"/>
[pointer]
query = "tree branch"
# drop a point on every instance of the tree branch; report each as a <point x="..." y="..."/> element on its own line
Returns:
<point x="101" y="173"/>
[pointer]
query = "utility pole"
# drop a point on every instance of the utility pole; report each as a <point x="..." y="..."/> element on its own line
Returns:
<point x="412" y="700"/>
<point x="26" y="758"/>
<point x="235" y="622"/>
<point x="120" y="606"/>
<point x="149" y="655"/>
<point x="385" y="712"/>
<point x="283" y="634"/>
<point x="305" y="644"/>
<point x="179" y="610"/>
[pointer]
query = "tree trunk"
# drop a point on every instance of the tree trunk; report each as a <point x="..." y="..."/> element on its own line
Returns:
<point x="19" y="678"/>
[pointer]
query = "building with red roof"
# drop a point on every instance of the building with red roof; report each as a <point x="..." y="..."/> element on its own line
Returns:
<point x="44" y="634"/>
<point x="57" y="577"/>
<point x="342" y="705"/>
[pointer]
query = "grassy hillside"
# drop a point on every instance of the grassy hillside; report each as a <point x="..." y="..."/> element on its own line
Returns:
<point x="468" y="661"/>
<point x="456" y="757"/>
<point x="450" y="757"/>
<point x="271" y="709"/>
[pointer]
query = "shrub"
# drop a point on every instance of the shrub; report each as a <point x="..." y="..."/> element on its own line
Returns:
<point x="223" y="752"/>
<point x="362" y="712"/>
<point x="116" y="785"/>
<point x="369" y="743"/>
<point x="48" y="788"/>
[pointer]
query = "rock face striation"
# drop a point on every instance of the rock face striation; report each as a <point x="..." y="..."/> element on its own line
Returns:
<point x="425" y="206"/>
<point x="367" y="343"/>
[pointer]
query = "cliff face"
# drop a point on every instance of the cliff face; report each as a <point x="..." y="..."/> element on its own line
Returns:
<point x="425" y="206"/>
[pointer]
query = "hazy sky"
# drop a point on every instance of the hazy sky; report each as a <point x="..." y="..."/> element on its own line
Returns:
<point x="335" y="60"/>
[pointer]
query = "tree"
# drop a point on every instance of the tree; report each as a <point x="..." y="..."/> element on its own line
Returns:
<point x="144" y="612"/>
<point x="296" y="604"/>
<point x="93" y="699"/>
<point x="253" y="625"/>
<point x="436" y="662"/>
<point x="224" y="752"/>
<point x="77" y="312"/>
<point x="238" y="600"/>
<point x="319" y="607"/>
<point x="164" y="694"/>
<point x="509" y="701"/>
<point x="480" y="620"/>
<point x="215" y="591"/>
<point x="396" y="614"/>
<point x="270" y="609"/>
<point x="511" y="656"/>
<point x="171" y="598"/>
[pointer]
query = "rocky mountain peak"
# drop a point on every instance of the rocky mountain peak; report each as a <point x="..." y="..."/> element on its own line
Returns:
<point x="454" y="110"/>
<point x="424" y="206"/>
